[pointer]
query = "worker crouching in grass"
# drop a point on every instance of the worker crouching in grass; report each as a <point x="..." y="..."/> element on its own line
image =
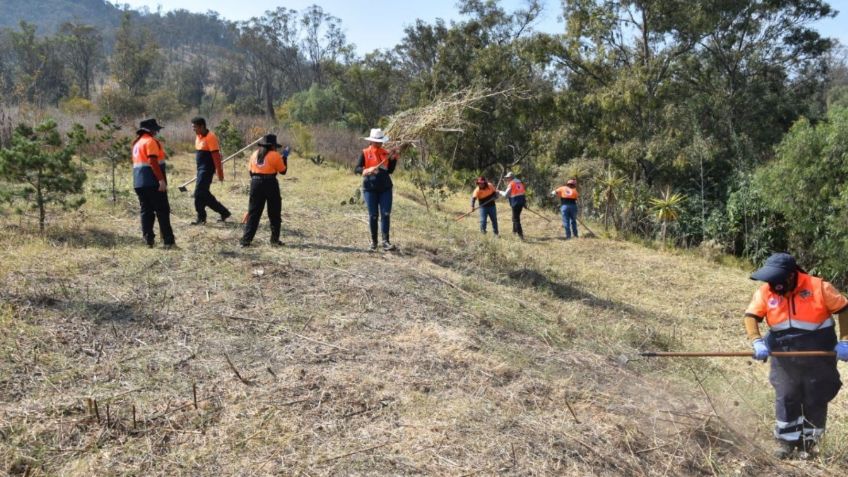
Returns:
<point x="798" y="309"/>
<point x="151" y="183"/>
<point x="376" y="164"/>
<point x="486" y="193"/>
<point x="265" y="164"/>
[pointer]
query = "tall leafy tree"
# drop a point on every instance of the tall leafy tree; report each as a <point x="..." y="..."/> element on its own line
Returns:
<point x="39" y="76"/>
<point x="83" y="50"/>
<point x="134" y="57"/>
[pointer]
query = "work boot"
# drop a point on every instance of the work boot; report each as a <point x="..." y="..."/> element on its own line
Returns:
<point x="784" y="449"/>
<point x="198" y="221"/>
<point x="226" y="215"/>
<point x="276" y="243"/>
<point x="387" y="246"/>
<point x="244" y="243"/>
<point x="149" y="240"/>
<point x="372" y="247"/>
<point x="807" y="449"/>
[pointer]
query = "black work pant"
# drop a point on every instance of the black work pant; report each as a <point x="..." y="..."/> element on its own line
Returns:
<point x="154" y="205"/>
<point x="516" y="219"/>
<point x="803" y="386"/>
<point x="263" y="190"/>
<point x="203" y="198"/>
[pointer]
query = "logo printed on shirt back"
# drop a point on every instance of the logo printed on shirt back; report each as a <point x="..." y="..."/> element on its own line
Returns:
<point x="773" y="302"/>
<point x="805" y="294"/>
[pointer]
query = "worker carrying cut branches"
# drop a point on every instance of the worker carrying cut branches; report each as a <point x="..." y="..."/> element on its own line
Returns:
<point x="568" y="206"/>
<point x="514" y="192"/>
<point x="486" y="193"/>
<point x="376" y="164"/>
<point x="208" y="160"/>
<point x="798" y="309"/>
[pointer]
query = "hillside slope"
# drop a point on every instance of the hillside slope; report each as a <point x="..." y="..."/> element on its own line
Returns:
<point x="457" y="355"/>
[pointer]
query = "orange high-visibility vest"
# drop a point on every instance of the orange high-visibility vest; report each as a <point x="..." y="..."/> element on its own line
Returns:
<point x="808" y="307"/>
<point x="147" y="173"/>
<point x="272" y="163"/>
<point x="376" y="156"/>
<point x="483" y="194"/>
<point x="566" y="192"/>
<point x="515" y="189"/>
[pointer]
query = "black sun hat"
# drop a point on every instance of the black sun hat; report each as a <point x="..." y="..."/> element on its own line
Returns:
<point x="269" y="140"/>
<point x="149" y="125"/>
<point x="777" y="268"/>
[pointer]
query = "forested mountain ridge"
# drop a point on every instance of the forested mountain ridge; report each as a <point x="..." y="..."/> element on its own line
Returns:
<point x="47" y="15"/>
<point x="172" y="29"/>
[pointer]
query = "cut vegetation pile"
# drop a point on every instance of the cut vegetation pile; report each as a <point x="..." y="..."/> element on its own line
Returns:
<point x="457" y="355"/>
<point x="444" y="114"/>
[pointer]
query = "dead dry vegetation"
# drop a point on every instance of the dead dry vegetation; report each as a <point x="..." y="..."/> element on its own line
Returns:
<point x="458" y="355"/>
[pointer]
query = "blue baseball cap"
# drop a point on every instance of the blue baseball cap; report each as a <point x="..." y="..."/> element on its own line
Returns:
<point x="777" y="268"/>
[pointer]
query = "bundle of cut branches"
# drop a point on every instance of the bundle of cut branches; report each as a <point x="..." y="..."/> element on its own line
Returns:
<point x="442" y="115"/>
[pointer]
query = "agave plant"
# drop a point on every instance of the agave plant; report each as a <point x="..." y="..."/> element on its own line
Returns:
<point x="667" y="208"/>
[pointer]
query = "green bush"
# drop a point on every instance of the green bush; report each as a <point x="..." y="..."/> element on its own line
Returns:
<point x="162" y="103"/>
<point x="807" y="183"/>
<point x="120" y="104"/>
<point x="76" y="106"/>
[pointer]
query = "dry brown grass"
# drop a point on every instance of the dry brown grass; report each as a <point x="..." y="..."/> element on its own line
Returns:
<point x="457" y="355"/>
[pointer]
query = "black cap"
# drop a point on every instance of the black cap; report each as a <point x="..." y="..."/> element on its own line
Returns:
<point x="777" y="268"/>
<point x="149" y="125"/>
<point x="269" y="140"/>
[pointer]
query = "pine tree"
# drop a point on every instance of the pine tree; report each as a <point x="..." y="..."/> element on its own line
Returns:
<point x="117" y="148"/>
<point x="40" y="169"/>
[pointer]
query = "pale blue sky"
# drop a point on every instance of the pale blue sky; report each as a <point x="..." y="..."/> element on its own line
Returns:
<point x="375" y="24"/>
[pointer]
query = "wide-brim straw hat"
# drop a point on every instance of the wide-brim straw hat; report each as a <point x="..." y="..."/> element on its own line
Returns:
<point x="377" y="135"/>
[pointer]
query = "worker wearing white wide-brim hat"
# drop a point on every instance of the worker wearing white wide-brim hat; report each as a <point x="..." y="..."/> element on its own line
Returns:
<point x="515" y="193"/>
<point x="376" y="164"/>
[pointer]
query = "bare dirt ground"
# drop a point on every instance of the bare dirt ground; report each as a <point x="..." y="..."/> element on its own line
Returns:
<point x="457" y="355"/>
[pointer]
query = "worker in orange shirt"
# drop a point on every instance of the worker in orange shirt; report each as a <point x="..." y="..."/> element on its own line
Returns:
<point x="568" y="206"/>
<point x="208" y="159"/>
<point x="265" y="164"/>
<point x="151" y="183"/>
<point x="799" y="309"/>
<point x="486" y="193"/>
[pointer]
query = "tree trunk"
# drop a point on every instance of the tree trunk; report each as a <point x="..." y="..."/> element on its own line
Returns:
<point x="269" y="100"/>
<point x="114" y="194"/>
<point x="39" y="199"/>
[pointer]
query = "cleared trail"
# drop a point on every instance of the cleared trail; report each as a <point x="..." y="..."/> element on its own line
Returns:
<point x="457" y="355"/>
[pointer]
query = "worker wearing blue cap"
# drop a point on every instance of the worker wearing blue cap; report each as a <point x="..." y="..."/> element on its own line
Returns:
<point x="798" y="309"/>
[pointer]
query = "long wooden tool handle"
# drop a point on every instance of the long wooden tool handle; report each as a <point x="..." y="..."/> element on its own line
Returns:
<point x="475" y="208"/>
<point x="540" y="215"/>
<point x="227" y="159"/>
<point x="731" y="354"/>
<point x="584" y="226"/>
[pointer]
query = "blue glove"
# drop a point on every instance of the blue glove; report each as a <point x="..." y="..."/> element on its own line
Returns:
<point x="842" y="350"/>
<point x="761" y="350"/>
